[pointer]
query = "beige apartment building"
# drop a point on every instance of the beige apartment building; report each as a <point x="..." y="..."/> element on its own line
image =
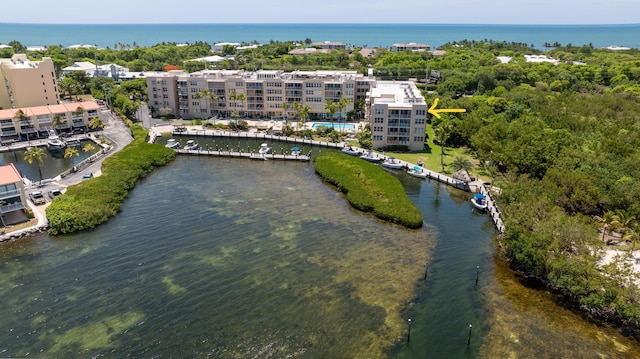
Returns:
<point x="263" y="94"/>
<point x="29" y="123"/>
<point x="397" y="113"/>
<point x="25" y="83"/>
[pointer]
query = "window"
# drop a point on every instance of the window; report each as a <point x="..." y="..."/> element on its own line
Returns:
<point x="379" y="111"/>
<point x="378" y="120"/>
<point x="421" y="112"/>
<point x="419" y="121"/>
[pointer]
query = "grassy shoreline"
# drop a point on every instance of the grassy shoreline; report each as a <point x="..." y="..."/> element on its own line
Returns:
<point x="92" y="202"/>
<point x="369" y="188"/>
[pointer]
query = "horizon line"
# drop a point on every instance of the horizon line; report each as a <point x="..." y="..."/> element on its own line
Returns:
<point x="327" y="23"/>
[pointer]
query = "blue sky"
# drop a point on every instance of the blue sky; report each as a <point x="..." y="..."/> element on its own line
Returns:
<point x="326" y="11"/>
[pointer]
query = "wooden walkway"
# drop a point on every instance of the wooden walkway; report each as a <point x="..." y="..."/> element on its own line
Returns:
<point x="249" y="155"/>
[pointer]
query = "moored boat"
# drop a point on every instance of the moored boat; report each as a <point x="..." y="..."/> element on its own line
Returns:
<point x="392" y="163"/>
<point x="417" y="171"/>
<point x="264" y="149"/>
<point x="295" y="151"/>
<point x="54" y="142"/>
<point x="350" y="151"/>
<point x="191" y="145"/>
<point x="371" y="157"/>
<point x="479" y="202"/>
<point x="172" y="143"/>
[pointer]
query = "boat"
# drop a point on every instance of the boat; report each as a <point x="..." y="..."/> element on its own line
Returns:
<point x="191" y="145"/>
<point x="264" y="149"/>
<point x="172" y="143"/>
<point x="479" y="201"/>
<point x="350" y="151"/>
<point x="296" y="151"/>
<point x="54" y="142"/>
<point x="392" y="162"/>
<point x="369" y="156"/>
<point x="417" y="171"/>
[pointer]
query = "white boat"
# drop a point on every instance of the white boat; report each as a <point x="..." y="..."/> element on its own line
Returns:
<point x="371" y="157"/>
<point x="172" y="143"/>
<point x="392" y="162"/>
<point x="191" y="145"/>
<point x="479" y="201"/>
<point x="417" y="172"/>
<point x="296" y="151"/>
<point x="350" y="151"/>
<point x="264" y="149"/>
<point x="54" y="142"/>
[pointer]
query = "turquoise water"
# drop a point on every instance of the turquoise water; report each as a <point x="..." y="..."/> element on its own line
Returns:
<point x="378" y="35"/>
<point x="341" y="126"/>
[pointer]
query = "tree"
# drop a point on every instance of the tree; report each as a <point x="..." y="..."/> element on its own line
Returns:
<point x="442" y="133"/>
<point x="609" y="221"/>
<point x="237" y="97"/>
<point x="96" y="123"/>
<point x="461" y="163"/>
<point x="57" y="121"/>
<point x="35" y="154"/>
<point x="71" y="152"/>
<point x="331" y="107"/>
<point x="302" y="111"/>
<point x="210" y="97"/>
<point x="25" y="122"/>
<point x="88" y="147"/>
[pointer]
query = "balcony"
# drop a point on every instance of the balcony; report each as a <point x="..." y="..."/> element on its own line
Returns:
<point x="12" y="207"/>
<point x="9" y="194"/>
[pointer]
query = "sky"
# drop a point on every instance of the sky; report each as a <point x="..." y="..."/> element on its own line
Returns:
<point x="567" y="12"/>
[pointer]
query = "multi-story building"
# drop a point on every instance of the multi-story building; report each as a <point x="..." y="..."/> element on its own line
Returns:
<point x="12" y="196"/>
<point x="397" y="114"/>
<point x="253" y="94"/>
<point x="25" y="83"/>
<point x="28" y="123"/>
<point x="412" y="46"/>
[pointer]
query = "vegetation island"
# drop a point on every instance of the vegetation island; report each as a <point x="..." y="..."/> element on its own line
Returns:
<point x="560" y="138"/>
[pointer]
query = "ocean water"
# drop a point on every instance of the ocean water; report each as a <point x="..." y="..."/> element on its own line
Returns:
<point x="372" y="35"/>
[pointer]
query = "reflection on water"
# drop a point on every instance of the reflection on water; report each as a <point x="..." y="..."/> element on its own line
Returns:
<point x="214" y="257"/>
<point x="52" y="165"/>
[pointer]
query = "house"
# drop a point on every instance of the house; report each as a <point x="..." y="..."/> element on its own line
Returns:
<point x="13" y="201"/>
<point x="412" y="46"/>
<point x="330" y="45"/>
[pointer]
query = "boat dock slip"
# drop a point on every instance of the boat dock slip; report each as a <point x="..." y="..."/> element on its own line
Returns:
<point x="249" y="155"/>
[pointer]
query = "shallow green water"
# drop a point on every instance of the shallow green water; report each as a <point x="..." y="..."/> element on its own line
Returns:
<point x="223" y="258"/>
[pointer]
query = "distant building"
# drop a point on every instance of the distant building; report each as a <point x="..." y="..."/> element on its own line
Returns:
<point x="13" y="207"/>
<point x="412" y="46"/>
<point x="367" y="52"/>
<point x="28" y="123"/>
<point x="220" y="46"/>
<point x="307" y="51"/>
<point x="93" y="70"/>
<point x="25" y="83"/>
<point x="330" y="45"/>
<point x="397" y="114"/>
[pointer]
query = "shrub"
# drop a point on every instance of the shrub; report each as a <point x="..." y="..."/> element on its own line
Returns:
<point x="92" y="202"/>
<point x="369" y="188"/>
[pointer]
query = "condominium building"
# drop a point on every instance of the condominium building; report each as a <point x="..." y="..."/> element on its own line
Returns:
<point x="25" y="83"/>
<point x="412" y="46"/>
<point x="254" y="94"/>
<point x="397" y="113"/>
<point x="28" y="123"/>
<point x="12" y="196"/>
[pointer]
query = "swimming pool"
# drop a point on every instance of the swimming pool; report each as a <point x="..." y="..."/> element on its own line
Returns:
<point x="337" y="125"/>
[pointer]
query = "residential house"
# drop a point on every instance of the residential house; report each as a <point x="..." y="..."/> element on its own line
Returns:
<point x="13" y="200"/>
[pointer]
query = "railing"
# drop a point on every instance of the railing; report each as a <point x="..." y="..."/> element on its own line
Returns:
<point x="8" y="194"/>
<point x="11" y="207"/>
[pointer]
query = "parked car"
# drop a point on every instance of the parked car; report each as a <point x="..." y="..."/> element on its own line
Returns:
<point x="37" y="198"/>
<point x="87" y="175"/>
<point x="54" y="193"/>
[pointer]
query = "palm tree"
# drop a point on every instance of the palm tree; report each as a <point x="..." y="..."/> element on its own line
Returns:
<point x="57" y="121"/>
<point x="38" y="154"/>
<point x="303" y="112"/>
<point x="96" y="123"/>
<point x="461" y="163"/>
<point x="625" y="220"/>
<point x="25" y="122"/>
<point x="331" y="107"/>
<point x="237" y="97"/>
<point x="88" y="147"/>
<point x="284" y="111"/>
<point x="340" y="105"/>
<point x="609" y="221"/>
<point x="210" y="97"/>
<point x="632" y="237"/>
<point x="442" y="132"/>
<point x="71" y="152"/>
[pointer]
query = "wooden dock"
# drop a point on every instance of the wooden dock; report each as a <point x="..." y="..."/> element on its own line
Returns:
<point x="248" y="155"/>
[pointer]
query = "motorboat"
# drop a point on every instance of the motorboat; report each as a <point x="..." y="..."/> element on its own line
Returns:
<point x="54" y="142"/>
<point x="371" y="157"/>
<point x="191" y="145"/>
<point x="296" y="151"/>
<point x="479" y="201"/>
<point x="172" y="143"/>
<point x="392" y="162"/>
<point x="350" y="151"/>
<point x="264" y="149"/>
<point x="417" y="171"/>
